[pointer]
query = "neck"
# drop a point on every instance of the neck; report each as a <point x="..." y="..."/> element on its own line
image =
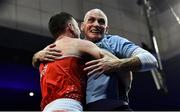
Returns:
<point x="67" y="34"/>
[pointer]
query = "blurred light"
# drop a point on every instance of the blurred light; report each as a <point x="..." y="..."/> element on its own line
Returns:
<point x="175" y="15"/>
<point x="31" y="94"/>
<point x="173" y="12"/>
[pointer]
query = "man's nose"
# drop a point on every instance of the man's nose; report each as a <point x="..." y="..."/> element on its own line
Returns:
<point x="96" y="23"/>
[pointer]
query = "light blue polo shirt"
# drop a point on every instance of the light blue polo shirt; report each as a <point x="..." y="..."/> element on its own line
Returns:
<point x="107" y="86"/>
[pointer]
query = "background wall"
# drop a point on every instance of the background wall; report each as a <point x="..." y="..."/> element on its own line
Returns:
<point x="23" y="29"/>
<point x="32" y="16"/>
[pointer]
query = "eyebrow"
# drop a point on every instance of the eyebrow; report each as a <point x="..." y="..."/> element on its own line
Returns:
<point x="90" y="17"/>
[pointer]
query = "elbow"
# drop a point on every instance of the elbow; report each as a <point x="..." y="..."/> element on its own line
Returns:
<point x="35" y="62"/>
<point x="148" y="62"/>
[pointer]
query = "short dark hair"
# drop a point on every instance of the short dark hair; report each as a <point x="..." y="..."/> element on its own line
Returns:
<point x="58" y="23"/>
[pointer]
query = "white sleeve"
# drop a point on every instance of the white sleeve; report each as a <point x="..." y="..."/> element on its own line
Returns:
<point x="148" y="61"/>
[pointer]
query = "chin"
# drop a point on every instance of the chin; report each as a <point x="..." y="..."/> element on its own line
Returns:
<point x="96" y="36"/>
<point x="95" y="39"/>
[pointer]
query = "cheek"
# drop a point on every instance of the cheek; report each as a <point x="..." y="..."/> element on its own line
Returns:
<point x="87" y="27"/>
<point x="86" y="30"/>
<point x="103" y="28"/>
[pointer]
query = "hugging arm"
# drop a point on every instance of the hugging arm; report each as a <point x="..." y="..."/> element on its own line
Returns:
<point x="110" y="63"/>
<point x="49" y="53"/>
<point x="135" y="58"/>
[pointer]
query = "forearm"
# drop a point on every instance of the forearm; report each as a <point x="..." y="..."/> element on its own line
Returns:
<point x="128" y="64"/>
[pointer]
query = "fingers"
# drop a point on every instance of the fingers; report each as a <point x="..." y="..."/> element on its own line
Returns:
<point x="54" y="50"/>
<point x="50" y="58"/>
<point x="94" y="67"/>
<point x="51" y="48"/>
<point x="53" y="53"/>
<point x="51" y="45"/>
<point x="50" y="53"/>
<point x="92" y="62"/>
<point x="91" y="67"/>
<point x="47" y="58"/>
<point x="96" y="71"/>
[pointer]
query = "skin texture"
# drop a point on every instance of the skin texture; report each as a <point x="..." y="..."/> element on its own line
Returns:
<point x="95" y="25"/>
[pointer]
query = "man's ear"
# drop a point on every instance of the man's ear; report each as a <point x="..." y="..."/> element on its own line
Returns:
<point x="107" y="30"/>
<point x="70" y="26"/>
<point x="82" y="26"/>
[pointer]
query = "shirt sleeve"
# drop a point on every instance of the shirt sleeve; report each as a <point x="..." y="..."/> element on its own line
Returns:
<point x="125" y="48"/>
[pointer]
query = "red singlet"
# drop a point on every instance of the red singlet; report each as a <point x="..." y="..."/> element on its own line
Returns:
<point x="63" y="78"/>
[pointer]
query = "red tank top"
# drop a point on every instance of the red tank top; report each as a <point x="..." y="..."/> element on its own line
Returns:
<point x="63" y="78"/>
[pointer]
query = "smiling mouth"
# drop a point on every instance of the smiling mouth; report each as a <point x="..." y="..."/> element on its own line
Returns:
<point x="96" y="31"/>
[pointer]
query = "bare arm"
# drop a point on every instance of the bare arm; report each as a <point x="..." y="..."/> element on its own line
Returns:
<point x="141" y="61"/>
<point x="137" y="59"/>
<point x="110" y="63"/>
<point x="48" y="54"/>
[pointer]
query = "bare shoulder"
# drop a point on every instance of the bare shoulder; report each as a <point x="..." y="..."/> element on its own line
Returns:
<point x="85" y="43"/>
<point x="89" y="48"/>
